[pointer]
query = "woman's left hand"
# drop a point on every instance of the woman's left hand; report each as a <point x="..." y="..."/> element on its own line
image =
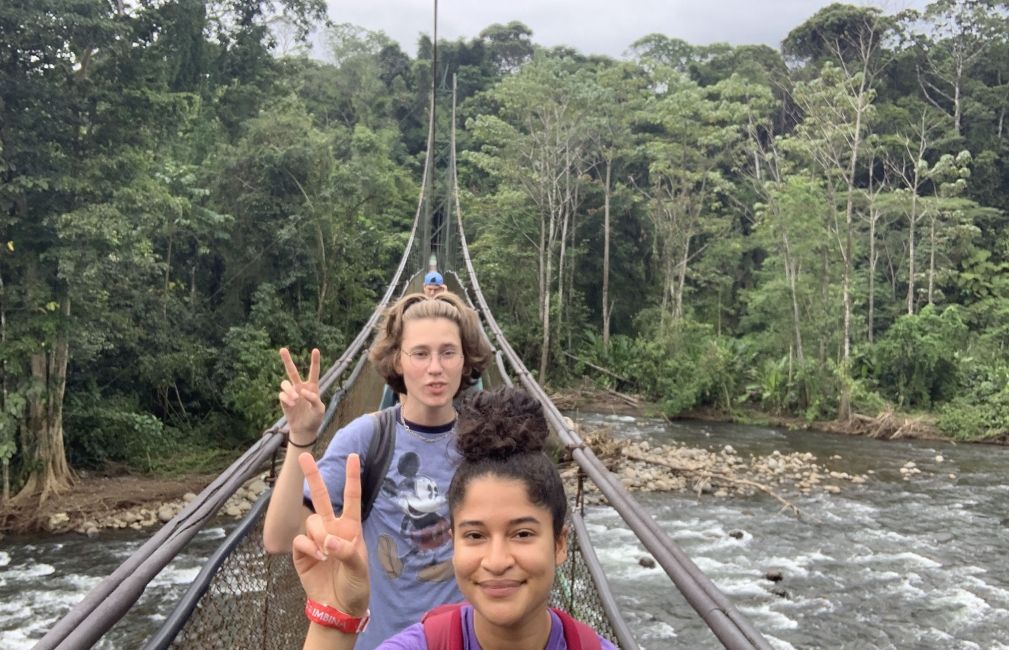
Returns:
<point x="331" y="558"/>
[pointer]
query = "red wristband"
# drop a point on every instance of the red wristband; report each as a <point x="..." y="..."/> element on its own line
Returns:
<point x="332" y="617"/>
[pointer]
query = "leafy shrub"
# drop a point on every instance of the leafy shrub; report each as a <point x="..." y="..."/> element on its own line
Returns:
<point x="249" y="374"/>
<point x="683" y="367"/>
<point x="102" y="431"/>
<point x="983" y="412"/>
<point x="916" y="363"/>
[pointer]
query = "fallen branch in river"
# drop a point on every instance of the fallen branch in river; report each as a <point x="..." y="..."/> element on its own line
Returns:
<point x="706" y="473"/>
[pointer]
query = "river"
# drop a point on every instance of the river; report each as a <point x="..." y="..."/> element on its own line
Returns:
<point x="892" y="563"/>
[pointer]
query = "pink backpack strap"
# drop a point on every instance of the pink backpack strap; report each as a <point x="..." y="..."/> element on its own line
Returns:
<point x="443" y="627"/>
<point x="577" y="635"/>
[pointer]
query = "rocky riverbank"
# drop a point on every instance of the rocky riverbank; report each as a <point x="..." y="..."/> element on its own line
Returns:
<point x="97" y="503"/>
<point x="152" y="514"/>
<point x="646" y="467"/>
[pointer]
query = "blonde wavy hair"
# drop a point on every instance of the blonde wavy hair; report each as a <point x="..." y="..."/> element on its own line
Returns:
<point x="416" y="306"/>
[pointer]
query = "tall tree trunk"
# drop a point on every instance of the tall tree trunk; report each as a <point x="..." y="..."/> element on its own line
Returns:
<point x="873" y="255"/>
<point x="545" y="345"/>
<point x="791" y="271"/>
<point x="322" y="277"/>
<point x="667" y="278"/>
<point x="931" y="255"/>
<point x="168" y="279"/>
<point x="51" y="474"/>
<point x="912" y="222"/>
<point x="606" y="256"/>
<point x="1001" y="113"/>
<point x="957" y="98"/>
<point x="542" y="268"/>
<point x="562" y="257"/>
<point x="681" y="278"/>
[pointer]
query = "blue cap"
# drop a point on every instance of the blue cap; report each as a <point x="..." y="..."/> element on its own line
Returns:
<point x="434" y="278"/>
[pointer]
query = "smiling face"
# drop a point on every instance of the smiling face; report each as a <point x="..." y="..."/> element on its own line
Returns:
<point x="505" y="555"/>
<point x="430" y="386"/>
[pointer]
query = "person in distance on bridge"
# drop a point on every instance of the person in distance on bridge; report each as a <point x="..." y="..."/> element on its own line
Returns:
<point x="508" y="511"/>
<point x="434" y="284"/>
<point x="427" y="350"/>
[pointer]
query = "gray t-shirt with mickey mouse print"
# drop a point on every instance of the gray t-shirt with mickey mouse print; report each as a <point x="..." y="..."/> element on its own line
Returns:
<point x="407" y="534"/>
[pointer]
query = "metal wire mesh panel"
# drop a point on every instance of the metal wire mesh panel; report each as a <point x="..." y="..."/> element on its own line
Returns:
<point x="576" y="592"/>
<point x="254" y="601"/>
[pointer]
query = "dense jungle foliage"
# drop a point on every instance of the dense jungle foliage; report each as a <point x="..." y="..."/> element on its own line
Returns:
<point x="816" y="231"/>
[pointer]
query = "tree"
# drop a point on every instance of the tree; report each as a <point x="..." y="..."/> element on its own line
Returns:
<point x="694" y="133"/>
<point x="536" y="144"/>
<point x="837" y="108"/>
<point x="910" y="167"/>
<point x="953" y="37"/>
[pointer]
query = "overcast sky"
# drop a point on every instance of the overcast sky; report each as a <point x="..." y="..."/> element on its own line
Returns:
<point x="592" y="26"/>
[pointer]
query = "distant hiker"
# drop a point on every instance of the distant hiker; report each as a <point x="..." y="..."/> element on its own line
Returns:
<point x="434" y="284"/>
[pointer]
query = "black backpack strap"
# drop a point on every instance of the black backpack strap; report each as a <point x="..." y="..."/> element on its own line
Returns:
<point x="376" y="465"/>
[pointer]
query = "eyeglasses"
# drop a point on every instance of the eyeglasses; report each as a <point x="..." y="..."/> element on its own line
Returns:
<point x="449" y="358"/>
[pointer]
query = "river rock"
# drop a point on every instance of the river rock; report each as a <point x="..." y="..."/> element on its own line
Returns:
<point x="736" y="534"/>
<point x="833" y="489"/>
<point x="779" y="592"/>
<point x="939" y="458"/>
<point x="57" y="521"/>
<point x="257" y="487"/>
<point x="188" y="496"/>
<point x="774" y="575"/>
<point x="646" y="562"/>
<point x="165" y="513"/>
<point x="233" y="511"/>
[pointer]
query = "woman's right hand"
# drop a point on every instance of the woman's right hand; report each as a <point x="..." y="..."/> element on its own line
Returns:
<point x="300" y="399"/>
<point x="331" y="558"/>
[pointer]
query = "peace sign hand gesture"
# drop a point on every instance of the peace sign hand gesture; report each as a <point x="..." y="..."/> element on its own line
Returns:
<point x="300" y="399"/>
<point x="331" y="558"/>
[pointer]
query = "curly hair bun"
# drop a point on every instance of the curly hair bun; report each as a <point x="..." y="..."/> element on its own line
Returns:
<point x="498" y="424"/>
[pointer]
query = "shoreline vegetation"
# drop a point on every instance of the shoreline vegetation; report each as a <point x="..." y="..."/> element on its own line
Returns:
<point x="141" y="501"/>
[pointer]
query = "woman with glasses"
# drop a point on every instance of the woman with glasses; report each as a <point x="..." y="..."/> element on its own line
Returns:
<point x="428" y="350"/>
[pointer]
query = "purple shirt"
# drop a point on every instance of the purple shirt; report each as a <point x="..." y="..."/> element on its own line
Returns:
<point x="412" y="638"/>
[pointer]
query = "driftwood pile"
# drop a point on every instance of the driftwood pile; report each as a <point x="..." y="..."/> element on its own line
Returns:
<point x="886" y="426"/>
<point x="642" y="466"/>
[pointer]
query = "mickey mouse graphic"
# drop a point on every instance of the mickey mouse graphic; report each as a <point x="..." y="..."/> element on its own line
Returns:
<point x="422" y="528"/>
